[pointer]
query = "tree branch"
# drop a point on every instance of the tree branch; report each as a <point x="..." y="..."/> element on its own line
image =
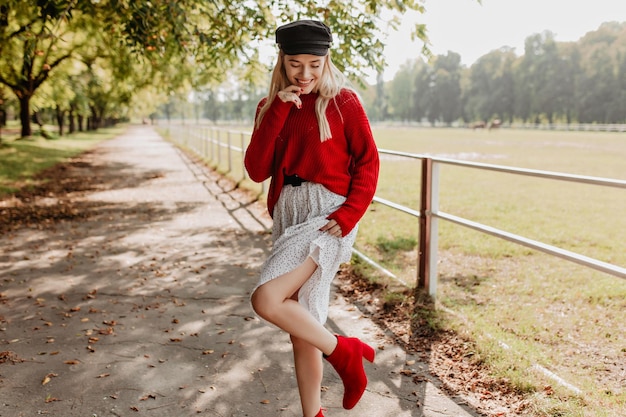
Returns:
<point x="43" y="75"/>
<point x="6" y="82"/>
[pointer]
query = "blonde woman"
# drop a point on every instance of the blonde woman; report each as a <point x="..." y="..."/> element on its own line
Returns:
<point x="313" y="138"/>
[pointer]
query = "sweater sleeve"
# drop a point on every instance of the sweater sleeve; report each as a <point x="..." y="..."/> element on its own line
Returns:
<point x="259" y="157"/>
<point x="364" y="167"/>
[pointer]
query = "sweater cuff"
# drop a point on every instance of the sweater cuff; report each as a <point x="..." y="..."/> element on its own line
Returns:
<point x="346" y="226"/>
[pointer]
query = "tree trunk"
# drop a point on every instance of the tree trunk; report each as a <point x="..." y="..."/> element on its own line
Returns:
<point x="25" y="115"/>
<point x="81" y="123"/>
<point x="3" y="118"/>
<point x="94" y="120"/>
<point x="60" y="118"/>
<point x="71" y="126"/>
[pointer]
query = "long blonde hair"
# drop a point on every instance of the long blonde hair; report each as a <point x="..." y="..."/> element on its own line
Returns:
<point x="329" y="85"/>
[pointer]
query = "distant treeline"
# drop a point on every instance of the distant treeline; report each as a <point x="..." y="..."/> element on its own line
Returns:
<point x="552" y="82"/>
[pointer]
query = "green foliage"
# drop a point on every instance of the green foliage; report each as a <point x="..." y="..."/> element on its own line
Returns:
<point x="130" y="45"/>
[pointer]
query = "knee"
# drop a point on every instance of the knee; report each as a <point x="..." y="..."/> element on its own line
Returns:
<point x="298" y="343"/>
<point x="262" y="303"/>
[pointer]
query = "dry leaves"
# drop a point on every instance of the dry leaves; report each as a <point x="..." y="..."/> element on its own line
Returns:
<point x="50" y="399"/>
<point x="449" y="357"/>
<point x="48" y="378"/>
<point x="9" y="356"/>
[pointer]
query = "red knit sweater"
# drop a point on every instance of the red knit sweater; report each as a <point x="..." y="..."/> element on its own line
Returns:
<point x="288" y="142"/>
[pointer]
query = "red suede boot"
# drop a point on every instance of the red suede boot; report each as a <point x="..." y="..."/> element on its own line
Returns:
<point x="347" y="361"/>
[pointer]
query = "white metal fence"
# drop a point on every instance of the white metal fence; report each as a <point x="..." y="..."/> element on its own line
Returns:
<point x="225" y="148"/>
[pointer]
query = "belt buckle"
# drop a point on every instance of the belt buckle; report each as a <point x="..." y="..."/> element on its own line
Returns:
<point x="294" y="180"/>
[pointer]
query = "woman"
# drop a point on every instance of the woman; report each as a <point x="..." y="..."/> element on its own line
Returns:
<point x="313" y="138"/>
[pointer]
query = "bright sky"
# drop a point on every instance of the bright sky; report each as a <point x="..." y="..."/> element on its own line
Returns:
<point x="472" y="29"/>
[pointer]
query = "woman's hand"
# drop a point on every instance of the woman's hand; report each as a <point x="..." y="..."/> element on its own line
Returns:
<point x="291" y="94"/>
<point x="332" y="228"/>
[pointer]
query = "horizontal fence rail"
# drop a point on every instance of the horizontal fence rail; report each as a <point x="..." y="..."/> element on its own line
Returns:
<point x="208" y="143"/>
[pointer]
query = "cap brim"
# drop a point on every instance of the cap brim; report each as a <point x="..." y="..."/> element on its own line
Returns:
<point x="304" y="50"/>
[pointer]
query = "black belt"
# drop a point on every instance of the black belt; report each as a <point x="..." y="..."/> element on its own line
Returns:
<point x="294" y="180"/>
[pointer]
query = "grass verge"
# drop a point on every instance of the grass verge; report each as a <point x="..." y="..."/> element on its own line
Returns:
<point x="22" y="159"/>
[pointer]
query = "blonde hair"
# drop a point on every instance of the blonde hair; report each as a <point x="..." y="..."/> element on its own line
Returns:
<point x="329" y="85"/>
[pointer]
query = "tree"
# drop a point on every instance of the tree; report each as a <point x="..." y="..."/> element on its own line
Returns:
<point x="30" y="48"/>
<point x="491" y="89"/>
<point x="621" y="88"/>
<point x="401" y="92"/>
<point x="600" y="97"/>
<point x="566" y="79"/>
<point x="446" y="88"/>
<point x="421" y="92"/>
<point x="598" y="93"/>
<point x="3" y="112"/>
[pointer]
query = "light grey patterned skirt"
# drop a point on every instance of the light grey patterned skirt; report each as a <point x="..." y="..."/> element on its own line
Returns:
<point x="298" y="215"/>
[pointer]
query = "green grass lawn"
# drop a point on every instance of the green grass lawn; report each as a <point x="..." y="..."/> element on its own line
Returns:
<point x="550" y="312"/>
<point x="22" y="159"/>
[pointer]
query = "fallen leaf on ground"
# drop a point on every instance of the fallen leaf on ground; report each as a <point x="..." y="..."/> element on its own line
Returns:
<point x="108" y="330"/>
<point x="47" y="378"/>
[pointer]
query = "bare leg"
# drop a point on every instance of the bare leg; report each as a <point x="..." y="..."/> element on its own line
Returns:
<point x="309" y="373"/>
<point x="273" y="302"/>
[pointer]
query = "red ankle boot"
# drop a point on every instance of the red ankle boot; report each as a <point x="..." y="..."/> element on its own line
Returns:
<point x="347" y="361"/>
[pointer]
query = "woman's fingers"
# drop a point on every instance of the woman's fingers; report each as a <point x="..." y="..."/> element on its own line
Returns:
<point x="291" y="94"/>
<point x="332" y="228"/>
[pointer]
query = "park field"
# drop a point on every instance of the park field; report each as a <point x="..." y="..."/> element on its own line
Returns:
<point x="554" y="328"/>
<point x="579" y="217"/>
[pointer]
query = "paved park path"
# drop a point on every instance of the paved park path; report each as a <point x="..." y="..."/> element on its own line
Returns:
<point x="141" y="307"/>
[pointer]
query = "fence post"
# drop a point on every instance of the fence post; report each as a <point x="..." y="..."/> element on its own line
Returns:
<point x="205" y="142"/>
<point x="229" y="153"/>
<point x="427" y="255"/>
<point x="211" y="144"/>
<point x="218" y="134"/>
<point x="243" y="153"/>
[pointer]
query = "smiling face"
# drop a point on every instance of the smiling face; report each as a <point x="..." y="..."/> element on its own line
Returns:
<point x="304" y="70"/>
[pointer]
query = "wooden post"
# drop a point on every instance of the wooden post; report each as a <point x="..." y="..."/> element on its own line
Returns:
<point x="423" y="270"/>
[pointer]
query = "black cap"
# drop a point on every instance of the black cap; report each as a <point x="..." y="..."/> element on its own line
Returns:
<point x="304" y="37"/>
